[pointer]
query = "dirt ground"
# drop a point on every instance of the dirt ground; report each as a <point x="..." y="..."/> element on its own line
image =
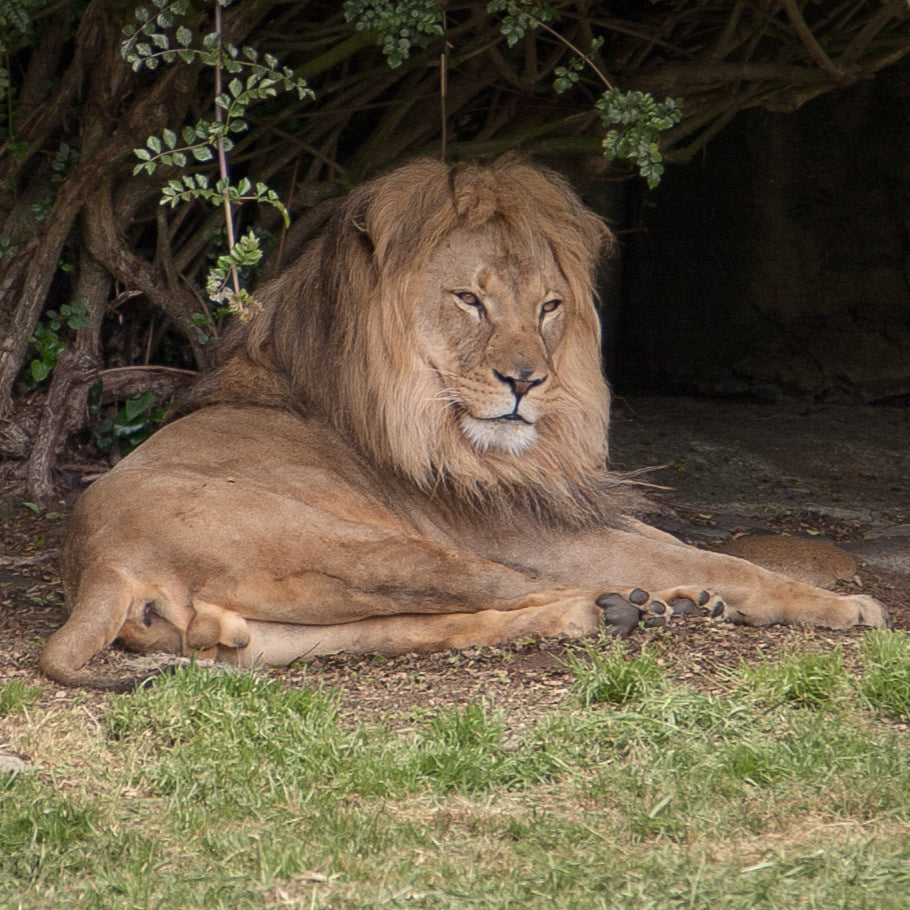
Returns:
<point x="837" y="473"/>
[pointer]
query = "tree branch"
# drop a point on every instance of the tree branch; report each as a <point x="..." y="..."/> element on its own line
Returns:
<point x="804" y="33"/>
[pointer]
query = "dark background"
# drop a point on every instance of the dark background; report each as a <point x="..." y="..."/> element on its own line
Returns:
<point x="778" y="262"/>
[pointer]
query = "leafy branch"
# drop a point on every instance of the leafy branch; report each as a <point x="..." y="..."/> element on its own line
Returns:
<point x="633" y="121"/>
<point x="401" y="26"/>
<point x="256" y="78"/>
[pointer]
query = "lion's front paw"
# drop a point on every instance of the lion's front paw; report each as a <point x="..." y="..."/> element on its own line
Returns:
<point x="869" y="612"/>
<point x="622" y="612"/>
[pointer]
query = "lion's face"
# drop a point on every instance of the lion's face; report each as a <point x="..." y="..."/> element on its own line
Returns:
<point x="490" y="321"/>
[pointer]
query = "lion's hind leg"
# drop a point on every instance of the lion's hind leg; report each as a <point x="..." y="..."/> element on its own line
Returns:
<point x="623" y="611"/>
<point x="111" y="605"/>
<point x="574" y="615"/>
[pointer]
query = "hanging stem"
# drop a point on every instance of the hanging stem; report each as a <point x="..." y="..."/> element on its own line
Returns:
<point x="575" y="50"/>
<point x="443" y="86"/>
<point x="222" y="155"/>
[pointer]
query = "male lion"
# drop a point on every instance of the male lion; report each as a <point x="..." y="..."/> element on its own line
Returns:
<point x="405" y="450"/>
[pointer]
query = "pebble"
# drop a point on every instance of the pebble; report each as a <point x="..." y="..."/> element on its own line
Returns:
<point x="10" y="764"/>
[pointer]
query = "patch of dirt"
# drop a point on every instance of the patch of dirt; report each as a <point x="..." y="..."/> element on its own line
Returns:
<point x="836" y="474"/>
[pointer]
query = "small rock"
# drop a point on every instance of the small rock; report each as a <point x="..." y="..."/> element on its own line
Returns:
<point x="888" y="548"/>
<point x="810" y="561"/>
<point x="10" y="764"/>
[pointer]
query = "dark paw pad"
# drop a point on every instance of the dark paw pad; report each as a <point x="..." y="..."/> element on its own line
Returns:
<point x="684" y="606"/>
<point x="620" y="617"/>
<point x="656" y="615"/>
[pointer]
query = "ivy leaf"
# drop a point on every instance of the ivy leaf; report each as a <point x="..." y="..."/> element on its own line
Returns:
<point x="134" y="407"/>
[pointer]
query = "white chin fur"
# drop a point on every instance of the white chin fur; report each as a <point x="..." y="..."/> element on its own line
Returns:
<point x="510" y="436"/>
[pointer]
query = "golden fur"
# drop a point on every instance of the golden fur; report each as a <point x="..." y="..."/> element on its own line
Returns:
<point x="404" y="450"/>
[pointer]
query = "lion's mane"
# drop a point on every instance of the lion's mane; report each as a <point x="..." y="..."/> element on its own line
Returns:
<point x="332" y="341"/>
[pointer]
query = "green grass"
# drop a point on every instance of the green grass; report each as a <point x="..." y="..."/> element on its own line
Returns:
<point x="16" y="696"/>
<point x="812" y="679"/>
<point x="886" y="681"/>
<point x="782" y="788"/>
<point x="606" y="674"/>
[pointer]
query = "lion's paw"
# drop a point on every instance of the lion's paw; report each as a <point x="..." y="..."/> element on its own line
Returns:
<point x="866" y="611"/>
<point x="624" y="611"/>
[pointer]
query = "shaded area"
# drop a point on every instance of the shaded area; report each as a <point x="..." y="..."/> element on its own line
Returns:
<point x="779" y="261"/>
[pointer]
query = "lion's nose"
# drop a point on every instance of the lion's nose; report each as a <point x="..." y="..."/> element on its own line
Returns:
<point x="522" y="381"/>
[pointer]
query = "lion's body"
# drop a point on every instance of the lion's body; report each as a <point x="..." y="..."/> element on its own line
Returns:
<point x="404" y="451"/>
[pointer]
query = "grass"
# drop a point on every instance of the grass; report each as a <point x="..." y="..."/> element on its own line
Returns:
<point x="886" y="681"/>
<point x="16" y="696"/>
<point x="785" y="787"/>
<point x="607" y="675"/>
<point x="812" y="679"/>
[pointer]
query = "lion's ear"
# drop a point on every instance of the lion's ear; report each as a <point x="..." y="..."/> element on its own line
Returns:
<point x="356" y="216"/>
<point x="474" y="194"/>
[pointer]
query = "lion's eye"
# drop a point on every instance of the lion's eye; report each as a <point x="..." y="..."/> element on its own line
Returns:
<point x="551" y="306"/>
<point x="471" y="301"/>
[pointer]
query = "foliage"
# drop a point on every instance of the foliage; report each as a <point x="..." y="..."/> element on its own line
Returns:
<point x="148" y="45"/>
<point x="568" y="76"/>
<point x="634" y="122"/>
<point x="132" y="423"/>
<point x="518" y="17"/>
<point x="47" y="341"/>
<point x="15" y="27"/>
<point x="401" y="26"/>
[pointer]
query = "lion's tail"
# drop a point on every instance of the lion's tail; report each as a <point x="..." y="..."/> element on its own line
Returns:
<point x="98" y="615"/>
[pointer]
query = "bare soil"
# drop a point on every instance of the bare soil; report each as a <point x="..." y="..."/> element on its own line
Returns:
<point x="842" y="474"/>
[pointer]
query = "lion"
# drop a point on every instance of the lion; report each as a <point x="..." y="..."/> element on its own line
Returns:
<point x="405" y="450"/>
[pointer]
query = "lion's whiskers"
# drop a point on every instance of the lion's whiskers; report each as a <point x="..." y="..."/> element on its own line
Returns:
<point x="449" y="396"/>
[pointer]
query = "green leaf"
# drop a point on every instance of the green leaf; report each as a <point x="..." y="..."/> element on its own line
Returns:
<point x="136" y="406"/>
<point x="40" y="370"/>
